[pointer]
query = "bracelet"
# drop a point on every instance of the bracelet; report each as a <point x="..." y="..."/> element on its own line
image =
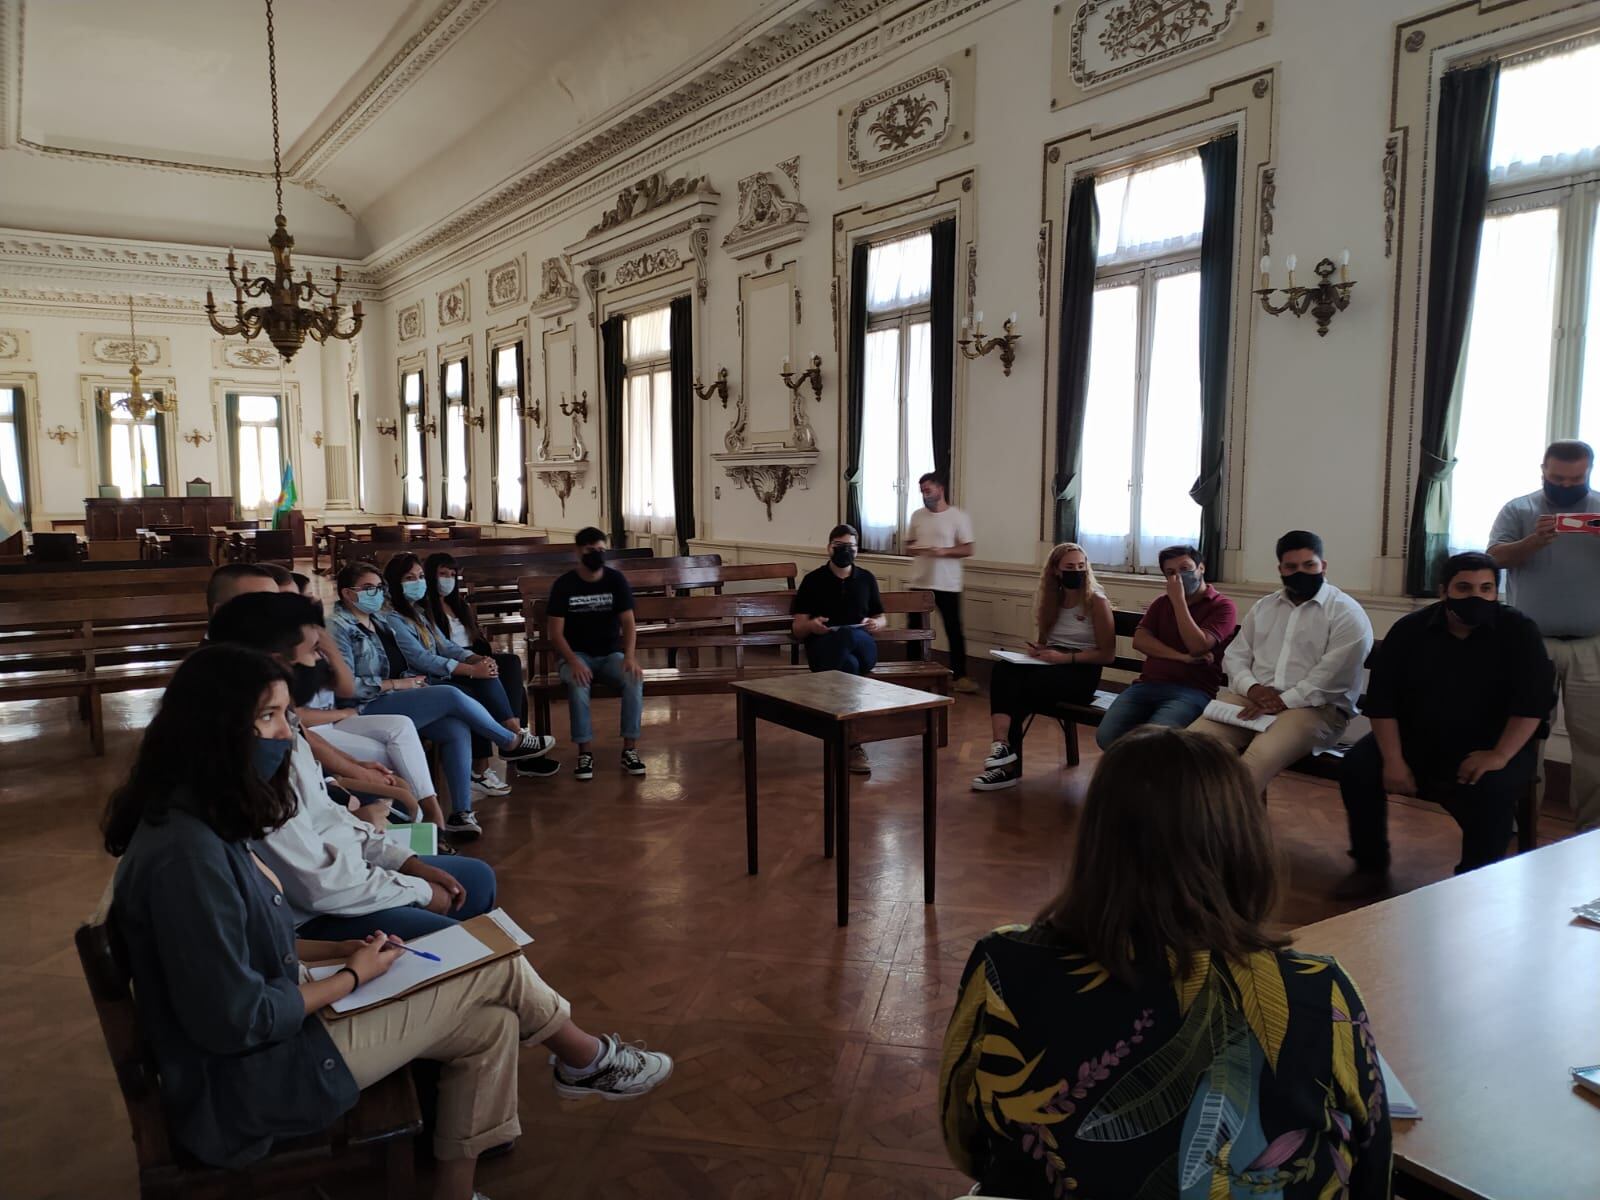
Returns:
<point x="351" y="972"/>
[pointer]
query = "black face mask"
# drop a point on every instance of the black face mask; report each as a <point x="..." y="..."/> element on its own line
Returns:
<point x="1472" y="611"/>
<point x="305" y="682"/>
<point x="1303" y="584"/>
<point x="592" y="560"/>
<point x="1074" y="579"/>
<point x="1565" y="495"/>
<point x="842" y="556"/>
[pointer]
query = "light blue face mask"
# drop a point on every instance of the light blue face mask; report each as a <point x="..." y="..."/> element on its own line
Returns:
<point x="370" y="600"/>
<point x="446" y="584"/>
<point x="414" y="589"/>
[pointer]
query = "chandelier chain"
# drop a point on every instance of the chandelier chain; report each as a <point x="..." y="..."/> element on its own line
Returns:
<point x="272" y="78"/>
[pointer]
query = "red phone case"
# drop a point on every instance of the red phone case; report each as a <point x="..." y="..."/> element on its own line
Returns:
<point x="1578" y="523"/>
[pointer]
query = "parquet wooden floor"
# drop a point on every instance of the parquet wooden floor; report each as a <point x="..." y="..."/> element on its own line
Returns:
<point x="807" y="1055"/>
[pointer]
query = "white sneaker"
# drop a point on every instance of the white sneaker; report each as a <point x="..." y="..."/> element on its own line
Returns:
<point x="1000" y="755"/>
<point x="626" y="1071"/>
<point x="487" y="783"/>
<point x="531" y="746"/>
<point x="859" y="763"/>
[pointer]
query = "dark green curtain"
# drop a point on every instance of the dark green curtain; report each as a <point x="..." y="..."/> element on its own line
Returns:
<point x="522" y="429"/>
<point x="856" y="385"/>
<point x="942" y="346"/>
<point x="681" y="332"/>
<point x="444" y="448"/>
<point x="19" y="428"/>
<point x="1219" y="160"/>
<point x="612" y="375"/>
<point x="1460" y="199"/>
<point x="163" y="463"/>
<point x="230" y="414"/>
<point x="1077" y="320"/>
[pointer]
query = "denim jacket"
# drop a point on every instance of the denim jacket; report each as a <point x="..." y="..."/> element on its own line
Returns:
<point x="364" y="653"/>
<point x="428" y="651"/>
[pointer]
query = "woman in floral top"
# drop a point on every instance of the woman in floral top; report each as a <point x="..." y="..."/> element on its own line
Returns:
<point x="1146" y="1037"/>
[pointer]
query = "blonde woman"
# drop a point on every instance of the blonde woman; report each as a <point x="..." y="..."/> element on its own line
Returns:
<point x="1076" y="638"/>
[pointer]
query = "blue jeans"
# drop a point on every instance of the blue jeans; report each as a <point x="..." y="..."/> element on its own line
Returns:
<point x="474" y="875"/>
<point x="607" y="669"/>
<point x="492" y="695"/>
<point x="1169" y="704"/>
<point x="850" y="650"/>
<point x="449" y="718"/>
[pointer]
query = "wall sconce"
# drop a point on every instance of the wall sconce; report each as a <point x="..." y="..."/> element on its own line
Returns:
<point x="429" y="427"/>
<point x="60" y="434"/>
<point x="811" y="375"/>
<point x="533" y="411"/>
<point x="579" y="408"/>
<point x="388" y="428"/>
<point x="1321" y="301"/>
<point x="719" y="388"/>
<point x="1006" y="343"/>
<point x="316" y="439"/>
<point x="477" y="419"/>
<point x="194" y="437"/>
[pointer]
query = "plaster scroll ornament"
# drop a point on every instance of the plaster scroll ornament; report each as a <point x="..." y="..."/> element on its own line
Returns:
<point x="648" y="264"/>
<point x="555" y="281"/>
<point x="650" y="193"/>
<point x="763" y="208"/>
<point x="505" y="284"/>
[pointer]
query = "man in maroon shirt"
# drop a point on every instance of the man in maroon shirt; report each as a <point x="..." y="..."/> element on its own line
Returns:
<point x="1182" y="637"/>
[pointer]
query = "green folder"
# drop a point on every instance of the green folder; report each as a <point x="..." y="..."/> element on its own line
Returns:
<point x="419" y="837"/>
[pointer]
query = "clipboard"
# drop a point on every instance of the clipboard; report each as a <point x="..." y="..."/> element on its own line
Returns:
<point x="485" y="929"/>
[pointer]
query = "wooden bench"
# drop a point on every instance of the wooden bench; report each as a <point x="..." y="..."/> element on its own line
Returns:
<point x="738" y="622"/>
<point x="372" y="1140"/>
<point x="82" y="649"/>
<point x="363" y="547"/>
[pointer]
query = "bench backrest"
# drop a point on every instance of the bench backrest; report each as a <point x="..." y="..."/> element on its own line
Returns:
<point x="87" y="584"/>
<point x="37" y="635"/>
<point x="423" y="546"/>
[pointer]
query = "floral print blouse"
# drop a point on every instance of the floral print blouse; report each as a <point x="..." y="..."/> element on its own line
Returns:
<point x="1256" y="1079"/>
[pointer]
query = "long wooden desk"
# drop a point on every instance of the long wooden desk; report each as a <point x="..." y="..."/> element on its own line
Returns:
<point x="1483" y="990"/>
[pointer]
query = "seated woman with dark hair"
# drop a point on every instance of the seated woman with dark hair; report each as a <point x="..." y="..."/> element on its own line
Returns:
<point x="230" y="1014"/>
<point x="447" y="606"/>
<point x="383" y="683"/>
<point x="1147" y="1035"/>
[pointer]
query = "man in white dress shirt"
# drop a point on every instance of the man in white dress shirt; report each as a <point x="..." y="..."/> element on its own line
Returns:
<point x="1297" y="659"/>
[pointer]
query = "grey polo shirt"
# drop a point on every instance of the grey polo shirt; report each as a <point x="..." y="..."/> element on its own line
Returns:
<point x="1559" y="587"/>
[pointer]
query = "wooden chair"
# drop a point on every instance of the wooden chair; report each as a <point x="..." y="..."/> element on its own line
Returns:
<point x="373" y="1139"/>
<point x="109" y="491"/>
<point x="115" y="549"/>
<point x="251" y="524"/>
<point x="272" y="545"/>
<point x="197" y="487"/>
<point x="390" y="535"/>
<point x="56" y="548"/>
<point x="190" y="545"/>
<point x="156" y="490"/>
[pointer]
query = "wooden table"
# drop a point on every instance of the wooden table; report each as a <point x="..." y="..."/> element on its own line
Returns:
<point x="1483" y="990"/>
<point x="842" y="711"/>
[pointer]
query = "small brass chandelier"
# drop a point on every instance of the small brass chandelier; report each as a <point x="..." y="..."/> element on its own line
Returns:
<point x="285" y="322"/>
<point x="137" y="405"/>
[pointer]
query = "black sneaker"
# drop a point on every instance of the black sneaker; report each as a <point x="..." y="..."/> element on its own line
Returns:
<point x="1000" y="755"/>
<point x="531" y="746"/>
<point x="997" y="779"/>
<point x="536" y="768"/>
<point x="585" y="767"/>
<point x="463" y="826"/>
<point x="632" y="763"/>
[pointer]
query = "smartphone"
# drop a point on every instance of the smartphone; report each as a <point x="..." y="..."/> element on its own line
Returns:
<point x="1578" y="522"/>
<point x="1588" y="1077"/>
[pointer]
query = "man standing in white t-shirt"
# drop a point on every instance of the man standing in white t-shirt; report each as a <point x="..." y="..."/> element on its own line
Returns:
<point x="939" y="538"/>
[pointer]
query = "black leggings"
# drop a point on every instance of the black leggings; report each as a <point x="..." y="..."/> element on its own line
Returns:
<point x="1020" y="690"/>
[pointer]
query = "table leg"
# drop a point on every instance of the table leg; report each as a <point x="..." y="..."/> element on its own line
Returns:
<point x="841" y="803"/>
<point x="828" y="801"/>
<point x="930" y="802"/>
<point x="747" y="735"/>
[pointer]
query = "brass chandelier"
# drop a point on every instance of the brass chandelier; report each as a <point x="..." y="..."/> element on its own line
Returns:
<point x="137" y="405"/>
<point x="285" y="322"/>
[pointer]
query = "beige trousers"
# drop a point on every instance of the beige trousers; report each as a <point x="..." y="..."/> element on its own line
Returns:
<point x="1578" y="676"/>
<point x="1295" y="733"/>
<point x="471" y="1025"/>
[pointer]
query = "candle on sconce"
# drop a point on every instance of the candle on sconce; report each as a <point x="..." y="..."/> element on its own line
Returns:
<point x="1266" y="271"/>
<point x="783" y="367"/>
<point x="1289" y="264"/>
<point x="813" y="357"/>
<point x="979" y="325"/>
<point x="966" y="324"/>
<point x="1344" y="266"/>
<point x="1012" y="319"/>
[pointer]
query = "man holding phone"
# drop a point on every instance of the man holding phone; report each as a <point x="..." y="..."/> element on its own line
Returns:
<point x="837" y="609"/>
<point x="1554" y="577"/>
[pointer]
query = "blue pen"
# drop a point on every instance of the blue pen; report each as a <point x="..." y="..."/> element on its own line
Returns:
<point x="418" y="953"/>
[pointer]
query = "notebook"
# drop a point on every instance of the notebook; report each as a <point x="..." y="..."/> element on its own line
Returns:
<point x="419" y="837"/>
<point x="1018" y="657"/>
<point x="460" y="948"/>
<point x="1400" y="1102"/>
<point x="1232" y="714"/>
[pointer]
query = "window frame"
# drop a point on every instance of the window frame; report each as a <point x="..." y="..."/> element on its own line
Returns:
<point x="231" y="400"/>
<point x="413" y="420"/>
<point x="103" y="390"/>
<point x="453" y="410"/>
<point x="497" y="393"/>
<point x="649" y="367"/>
<point x="24" y="417"/>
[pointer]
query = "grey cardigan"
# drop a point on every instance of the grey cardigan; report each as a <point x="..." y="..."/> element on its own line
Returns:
<point x="211" y="948"/>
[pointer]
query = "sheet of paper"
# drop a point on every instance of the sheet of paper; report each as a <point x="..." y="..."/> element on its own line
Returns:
<point x="1400" y="1102"/>
<point x="454" y="946"/>
<point x="419" y="837"/>
<point x="1589" y="912"/>
<point x="1103" y="700"/>
<point x="1231" y="714"/>
<point x="512" y="930"/>
<point x="1016" y="656"/>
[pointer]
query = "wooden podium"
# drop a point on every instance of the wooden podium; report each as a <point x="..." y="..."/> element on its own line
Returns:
<point x="107" y="517"/>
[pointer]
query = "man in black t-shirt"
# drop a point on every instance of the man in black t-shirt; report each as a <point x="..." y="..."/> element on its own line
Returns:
<point x="836" y="612"/>
<point x="593" y="629"/>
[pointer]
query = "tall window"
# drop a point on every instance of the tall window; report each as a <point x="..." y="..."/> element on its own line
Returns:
<point x="647" y="496"/>
<point x="14" y="449"/>
<point x="358" y="420"/>
<point x="258" y="442"/>
<point x="131" y="452"/>
<point x="897" y="395"/>
<point x="457" y="442"/>
<point x="508" y="434"/>
<point x="413" y="501"/>
<point x="1141" y="434"/>
<point x="1531" y="366"/>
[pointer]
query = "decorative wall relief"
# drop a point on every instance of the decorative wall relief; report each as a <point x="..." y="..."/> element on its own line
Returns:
<point x="453" y="306"/>
<point x="408" y="322"/>
<point x="1103" y="44"/>
<point x="557" y="293"/>
<point x="651" y="262"/>
<point x="1391" y="193"/>
<point x="243" y="356"/>
<point x="769" y="481"/>
<point x="767" y="217"/>
<point x="153" y="349"/>
<point x="506" y="284"/>
<point x="924" y="114"/>
<point x="1269" y="201"/>
<point x="649" y="193"/>
<point x="14" y="345"/>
